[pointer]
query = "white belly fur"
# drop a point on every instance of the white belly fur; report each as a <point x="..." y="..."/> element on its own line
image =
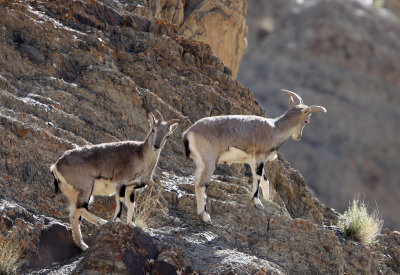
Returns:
<point x="104" y="187"/>
<point x="234" y="155"/>
<point x="271" y="156"/>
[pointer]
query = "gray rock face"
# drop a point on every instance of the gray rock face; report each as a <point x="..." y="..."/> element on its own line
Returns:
<point x="344" y="56"/>
<point x="103" y="68"/>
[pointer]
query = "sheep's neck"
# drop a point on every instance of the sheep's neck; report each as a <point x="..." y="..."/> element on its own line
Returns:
<point x="149" y="155"/>
<point x="285" y="126"/>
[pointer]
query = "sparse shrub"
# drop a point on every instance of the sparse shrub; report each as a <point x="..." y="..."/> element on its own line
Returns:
<point x="378" y="3"/>
<point x="11" y="249"/>
<point x="357" y="223"/>
<point x="146" y="204"/>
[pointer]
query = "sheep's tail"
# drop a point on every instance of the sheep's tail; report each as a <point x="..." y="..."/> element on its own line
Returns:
<point x="187" y="150"/>
<point x="56" y="181"/>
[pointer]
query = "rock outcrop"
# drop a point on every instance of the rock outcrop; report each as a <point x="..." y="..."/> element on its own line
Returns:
<point x="220" y="24"/>
<point x="81" y="72"/>
<point x="393" y="6"/>
<point x="342" y="55"/>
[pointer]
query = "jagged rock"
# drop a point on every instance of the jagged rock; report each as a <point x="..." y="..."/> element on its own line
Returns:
<point x="220" y="24"/>
<point x="342" y="55"/>
<point x="122" y="249"/>
<point x="55" y="246"/>
<point x="388" y="245"/>
<point x="43" y="241"/>
<point x="119" y="249"/>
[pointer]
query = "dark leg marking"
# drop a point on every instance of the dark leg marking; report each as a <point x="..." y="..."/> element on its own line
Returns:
<point x="56" y="187"/>
<point x="120" y="210"/>
<point x="122" y="191"/>
<point x="187" y="150"/>
<point x="260" y="168"/>
<point x="256" y="193"/>
<point x="132" y="197"/>
<point x="205" y="192"/>
<point x="83" y="205"/>
<point x="142" y="184"/>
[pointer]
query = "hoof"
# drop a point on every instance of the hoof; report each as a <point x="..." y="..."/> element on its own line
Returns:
<point x="117" y="220"/>
<point x="83" y="246"/>
<point x="206" y="217"/>
<point x="102" y="222"/>
<point x="257" y="203"/>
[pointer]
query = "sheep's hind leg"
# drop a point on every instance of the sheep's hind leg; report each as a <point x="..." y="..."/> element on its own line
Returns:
<point x="205" y="166"/>
<point x="76" y="229"/>
<point x="202" y="177"/>
<point x="265" y="186"/>
<point x="72" y="194"/>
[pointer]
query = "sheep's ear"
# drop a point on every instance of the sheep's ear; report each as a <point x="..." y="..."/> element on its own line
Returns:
<point x="152" y="119"/>
<point x="158" y="116"/>
<point x="291" y="102"/>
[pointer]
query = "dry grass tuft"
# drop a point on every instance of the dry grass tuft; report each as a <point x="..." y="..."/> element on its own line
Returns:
<point x="357" y="223"/>
<point x="147" y="203"/>
<point x="11" y="249"/>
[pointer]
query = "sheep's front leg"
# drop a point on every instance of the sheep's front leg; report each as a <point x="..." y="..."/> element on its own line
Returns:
<point x="130" y="204"/>
<point x="265" y="185"/>
<point x="91" y="217"/>
<point x="119" y="197"/>
<point x="256" y="170"/>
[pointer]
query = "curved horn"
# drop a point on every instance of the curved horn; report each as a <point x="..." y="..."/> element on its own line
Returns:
<point x="173" y="121"/>
<point x="297" y="99"/>
<point x="159" y="116"/>
<point x="316" y="108"/>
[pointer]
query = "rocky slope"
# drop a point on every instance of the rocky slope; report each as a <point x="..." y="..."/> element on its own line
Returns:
<point x="81" y="72"/>
<point x="345" y="56"/>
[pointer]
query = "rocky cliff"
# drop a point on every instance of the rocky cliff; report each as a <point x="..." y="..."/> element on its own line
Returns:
<point x="84" y="72"/>
<point x="345" y="56"/>
<point x="220" y="24"/>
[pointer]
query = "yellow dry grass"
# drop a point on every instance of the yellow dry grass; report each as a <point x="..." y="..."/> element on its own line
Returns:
<point x="11" y="249"/>
<point x="147" y="203"/>
<point x="357" y="223"/>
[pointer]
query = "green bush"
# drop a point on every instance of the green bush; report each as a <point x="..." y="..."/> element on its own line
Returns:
<point x="357" y="223"/>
